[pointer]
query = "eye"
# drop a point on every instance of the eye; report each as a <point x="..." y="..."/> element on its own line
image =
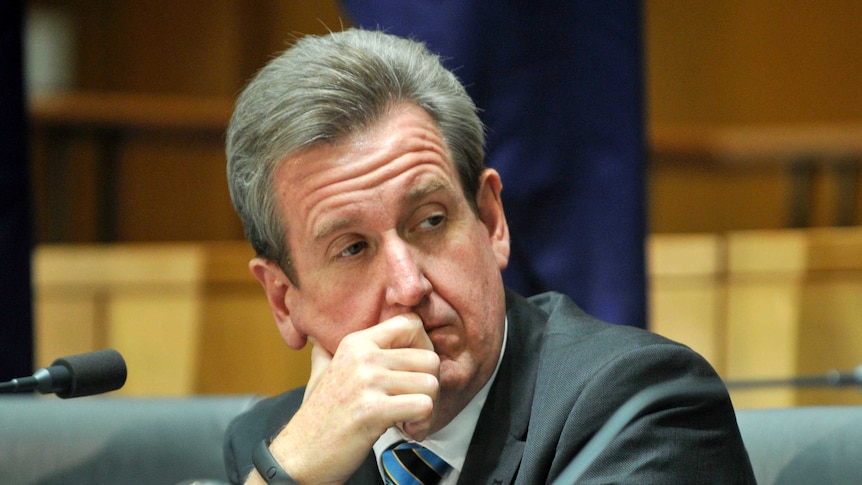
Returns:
<point x="432" y="222"/>
<point x="353" y="249"/>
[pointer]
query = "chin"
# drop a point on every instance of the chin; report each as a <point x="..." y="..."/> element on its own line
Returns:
<point x="457" y="377"/>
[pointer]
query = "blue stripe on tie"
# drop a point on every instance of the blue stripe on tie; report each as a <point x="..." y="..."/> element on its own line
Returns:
<point x="412" y="464"/>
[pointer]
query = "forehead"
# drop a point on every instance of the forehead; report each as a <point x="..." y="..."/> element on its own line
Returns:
<point x="404" y="147"/>
<point x="404" y="128"/>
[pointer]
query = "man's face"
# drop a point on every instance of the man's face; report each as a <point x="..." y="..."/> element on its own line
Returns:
<point x="378" y="226"/>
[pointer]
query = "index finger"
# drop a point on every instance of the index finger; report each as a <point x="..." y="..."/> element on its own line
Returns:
<point x="320" y="359"/>
<point x="399" y="332"/>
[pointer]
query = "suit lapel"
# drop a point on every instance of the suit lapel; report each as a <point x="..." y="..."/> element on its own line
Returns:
<point x="497" y="445"/>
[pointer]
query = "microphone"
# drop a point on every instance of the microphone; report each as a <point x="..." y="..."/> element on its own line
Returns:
<point x="74" y="376"/>
<point x="685" y="388"/>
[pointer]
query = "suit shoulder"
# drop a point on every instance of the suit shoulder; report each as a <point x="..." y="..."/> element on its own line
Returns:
<point x="573" y="341"/>
<point x="567" y="319"/>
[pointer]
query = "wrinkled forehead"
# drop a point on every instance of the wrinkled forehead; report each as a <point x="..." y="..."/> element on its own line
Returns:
<point x="403" y="143"/>
<point x="404" y="130"/>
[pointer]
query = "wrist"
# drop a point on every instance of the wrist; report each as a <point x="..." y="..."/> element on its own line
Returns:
<point x="268" y="468"/>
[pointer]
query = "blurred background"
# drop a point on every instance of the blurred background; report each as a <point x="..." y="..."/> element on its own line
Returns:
<point x="751" y="123"/>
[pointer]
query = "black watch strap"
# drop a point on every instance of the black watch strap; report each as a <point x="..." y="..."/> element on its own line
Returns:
<point x="268" y="468"/>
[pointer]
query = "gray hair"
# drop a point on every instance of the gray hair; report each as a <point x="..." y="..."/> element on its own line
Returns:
<point x="323" y="89"/>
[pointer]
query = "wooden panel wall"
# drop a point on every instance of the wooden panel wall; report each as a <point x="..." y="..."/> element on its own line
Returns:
<point x="188" y="318"/>
<point x="764" y="305"/>
<point x="760" y="61"/>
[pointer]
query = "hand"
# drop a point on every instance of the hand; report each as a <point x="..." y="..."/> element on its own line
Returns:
<point x="380" y="377"/>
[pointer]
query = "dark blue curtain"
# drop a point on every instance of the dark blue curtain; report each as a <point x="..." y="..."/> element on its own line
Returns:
<point x="559" y="84"/>
<point x="16" y="328"/>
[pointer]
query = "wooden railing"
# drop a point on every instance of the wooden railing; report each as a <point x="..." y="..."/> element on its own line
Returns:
<point x="800" y="151"/>
<point x="109" y="120"/>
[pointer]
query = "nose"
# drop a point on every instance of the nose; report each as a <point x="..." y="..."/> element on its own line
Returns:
<point x="406" y="283"/>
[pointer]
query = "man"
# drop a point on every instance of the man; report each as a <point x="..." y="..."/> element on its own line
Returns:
<point x="356" y="164"/>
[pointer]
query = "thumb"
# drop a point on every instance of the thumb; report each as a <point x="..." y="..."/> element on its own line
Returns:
<point x="320" y="360"/>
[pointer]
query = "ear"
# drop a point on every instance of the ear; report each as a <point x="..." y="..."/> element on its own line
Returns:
<point x="492" y="216"/>
<point x="276" y="285"/>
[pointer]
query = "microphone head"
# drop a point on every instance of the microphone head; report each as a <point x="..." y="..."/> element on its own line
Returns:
<point x="93" y="373"/>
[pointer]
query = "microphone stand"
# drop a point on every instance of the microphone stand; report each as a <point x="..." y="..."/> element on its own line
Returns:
<point x="832" y="378"/>
<point x="689" y="388"/>
<point x="76" y="375"/>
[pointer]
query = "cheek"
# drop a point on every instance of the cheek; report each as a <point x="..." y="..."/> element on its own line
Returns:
<point x="335" y="313"/>
<point x="470" y="281"/>
<point x="472" y="270"/>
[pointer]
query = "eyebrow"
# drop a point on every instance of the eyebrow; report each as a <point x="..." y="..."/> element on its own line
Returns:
<point x="333" y="226"/>
<point x="414" y="195"/>
<point x="419" y="192"/>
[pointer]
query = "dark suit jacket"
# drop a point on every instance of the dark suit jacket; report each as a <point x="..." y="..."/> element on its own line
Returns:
<point x="562" y="376"/>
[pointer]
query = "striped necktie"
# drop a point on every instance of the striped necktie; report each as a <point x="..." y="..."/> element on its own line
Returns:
<point x="412" y="464"/>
